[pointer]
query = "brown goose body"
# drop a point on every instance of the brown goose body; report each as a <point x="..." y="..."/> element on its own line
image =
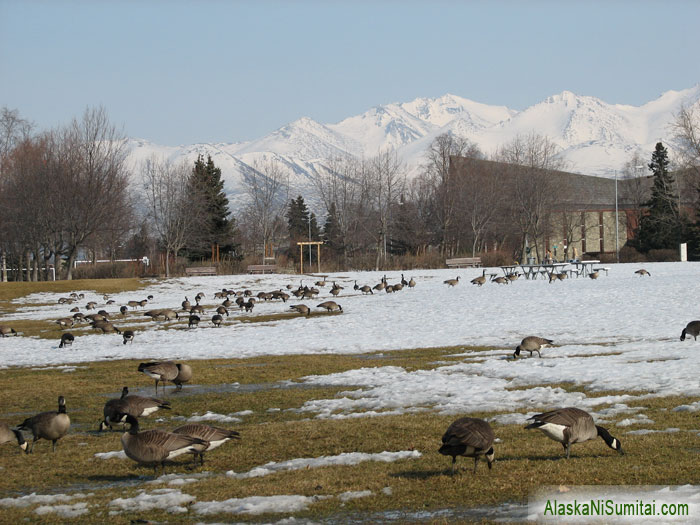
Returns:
<point x="452" y="282"/>
<point x="51" y="426"/>
<point x="160" y="371"/>
<point x="692" y="328"/>
<point x="155" y="447"/>
<point x="213" y="436"/>
<point x="469" y="437"/>
<point x="532" y="344"/>
<point x="184" y="374"/>
<point x="642" y="272"/>
<point x="301" y="308"/>
<point x="11" y="435"/>
<point x="330" y="306"/>
<point x="572" y="425"/>
<point x="366" y="290"/>
<point x="116" y="410"/>
<point x="6" y="330"/>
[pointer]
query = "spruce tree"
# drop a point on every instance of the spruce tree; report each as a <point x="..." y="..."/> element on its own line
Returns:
<point x="218" y="228"/>
<point x="297" y="224"/>
<point x="661" y="226"/>
<point x="331" y="231"/>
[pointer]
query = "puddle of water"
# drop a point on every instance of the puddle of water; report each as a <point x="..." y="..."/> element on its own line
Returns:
<point x="504" y="513"/>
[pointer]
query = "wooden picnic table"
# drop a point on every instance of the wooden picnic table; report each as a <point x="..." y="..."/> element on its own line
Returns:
<point x="533" y="271"/>
<point x="584" y="268"/>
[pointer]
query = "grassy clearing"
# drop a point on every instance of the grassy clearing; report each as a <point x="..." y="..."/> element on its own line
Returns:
<point x="525" y="460"/>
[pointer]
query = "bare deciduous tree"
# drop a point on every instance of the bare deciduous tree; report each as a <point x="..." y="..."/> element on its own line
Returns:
<point x="173" y="216"/>
<point x="266" y="185"/>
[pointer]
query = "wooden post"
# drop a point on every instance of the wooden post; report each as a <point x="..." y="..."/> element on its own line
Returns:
<point x="318" y="255"/>
<point x="301" y="259"/>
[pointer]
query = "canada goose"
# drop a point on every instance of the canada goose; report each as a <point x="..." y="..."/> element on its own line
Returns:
<point x="106" y="327"/>
<point x="552" y="277"/>
<point x="335" y="292"/>
<point x="116" y="410"/>
<point x="692" y="328"/>
<point x="95" y="317"/>
<point x="301" y="308"/>
<point x="479" y="281"/>
<point x="186" y="304"/>
<point x="403" y="281"/>
<point x="249" y="304"/>
<point x="355" y="287"/>
<point x="379" y="286"/>
<point x="103" y="313"/>
<point x="74" y="309"/>
<point x="398" y="287"/>
<point x="227" y="302"/>
<point x="48" y="425"/>
<point x="642" y="272"/>
<point x="8" y="435"/>
<point x="123" y="310"/>
<point x="283" y="296"/>
<point x="65" y="322"/>
<point x="213" y="436"/>
<point x="63" y="300"/>
<point x="169" y="314"/>
<point x="128" y="336"/>
<point x="500" y="280"/>
<point x="247" y="293"/>
<point x="221" y="295"/>
<point x="153" y="314"/>
<point x="133" y="304"/>
<point x="81" y="296"/>
<point x="193" y="321"/>
<point x="366" y="289"/>
<point x="6" y="330"/>
<point x="513" y="276"/>
<point x="79" y="316"/>
<point x="149" y="297"/>
<point x="572" y="425"/>
<point x="110" y="301"/>
<point x="66" y="340"/>
<point x="199" y="297"/>
<point x="240" y="302"/>
<point x="593" y="275"/>
<point x="160" y="371"/>
<point x="412" y="283"/>
<point x="184" y="374"/>
<point x="330" y="306"/>
<point x="216" y="320"/>
<point x="389" y="289"/>
<point x="197" y="309"/>
<point x="469" y="437"/>
<point x="451" y="282"/>
<point x="561" y="276"/>
<point x="532" y="343"/>
<point x="74" y="295"/>
<point x="320" y="283"/>
<point x="154" y="447"/>
<point x="143" y="302"/>
<point x="221" y="310"/>
<point x="105" y="297"/>
<point x="91" y="305"/>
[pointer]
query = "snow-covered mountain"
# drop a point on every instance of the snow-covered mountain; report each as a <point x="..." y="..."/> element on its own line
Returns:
<point x="594" y="137"/>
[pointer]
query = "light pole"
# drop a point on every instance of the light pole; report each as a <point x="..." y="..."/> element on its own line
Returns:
<point x="617" y="225"/>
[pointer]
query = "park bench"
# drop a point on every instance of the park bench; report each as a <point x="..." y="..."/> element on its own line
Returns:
<point x="464" y="262"/>
<point x="262" y="268"/>
<point x="200" y="270"/>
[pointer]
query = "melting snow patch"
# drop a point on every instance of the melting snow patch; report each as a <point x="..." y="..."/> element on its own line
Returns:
<point x="348" y="458"/>
<point x="693" y="407"/>
<point x="109" y="455"/>
<point x="387" y="491"/>
<point x="350" y="495"/>
<point x="643" y="431"/>
<point x="213" y="416"/>
<point x="65" y="511"/>
<point x="256" y="504"/>
<point x="177" y="479"/>
<point x="166" y="499"/>
<point x="34" y="498"/>
<point x="639" y="419"/>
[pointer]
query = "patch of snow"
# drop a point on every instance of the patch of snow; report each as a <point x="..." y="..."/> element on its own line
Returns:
<point x="119" y="454"/>
<point x="45" y="499"/>
<point x="213" y="416"/>
<point x="350" y="495"/>
<point x="257" y="504"/>
<point x="65" y="511"/>
<point x="171" y="500"/>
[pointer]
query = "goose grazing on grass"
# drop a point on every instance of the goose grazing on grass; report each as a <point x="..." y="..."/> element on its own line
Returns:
<point x="213" y="436"/>
<point x="330" y="306"/>
<point x="128" y="336"/>
<point x="469" y="437"/>
<point x="116" y="410"/>
<point x="160" y="371"/>
<point x="572" y="425"/>
<point x="221" y="310"/>
<point x="10" y="435"/>
<point x="51" y="426"/>
<point x="66" y="340"/>
<point x="301" y="308"/>
<point x="692" y="328"/>
<point x="155" y="447"/>
<point x="532" y="343"/>
<point x="6" y="330"/>
<point x="184" y="374"/>
<point x="65" y="322"/>
<point x="642" y="272"/>
<point x="452" y="282"/>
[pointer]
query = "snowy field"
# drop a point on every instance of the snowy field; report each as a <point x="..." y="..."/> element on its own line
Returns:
<point x="619" y="332"/>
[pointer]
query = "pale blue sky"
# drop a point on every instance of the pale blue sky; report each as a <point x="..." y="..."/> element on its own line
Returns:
<point x="176" y="72"/>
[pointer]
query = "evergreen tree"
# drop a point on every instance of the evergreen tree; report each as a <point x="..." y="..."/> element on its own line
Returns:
<point x="218" y="228"/>
<point x="331" y="231"/>
<point x="298" y="220"/>
<point x="661" y="227"/>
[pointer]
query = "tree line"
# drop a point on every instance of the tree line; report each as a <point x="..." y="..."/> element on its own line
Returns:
<point x="68" y="193"/>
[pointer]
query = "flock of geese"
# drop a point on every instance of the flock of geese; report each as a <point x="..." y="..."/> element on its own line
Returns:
<point x="467" y="436"/>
